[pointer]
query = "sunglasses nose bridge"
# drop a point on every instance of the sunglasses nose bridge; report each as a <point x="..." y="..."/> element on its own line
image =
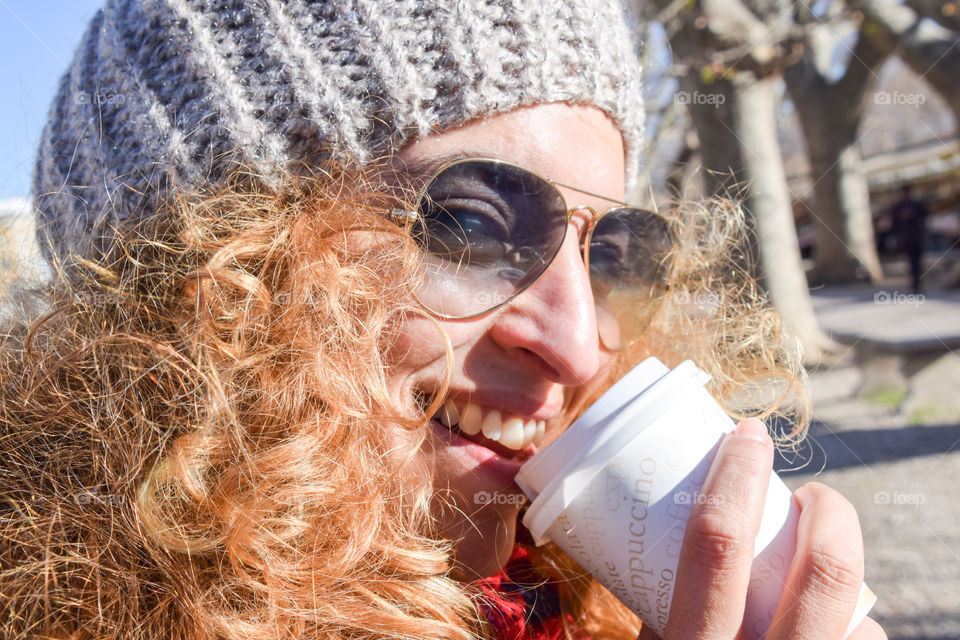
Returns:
<point x="587" y="212"/>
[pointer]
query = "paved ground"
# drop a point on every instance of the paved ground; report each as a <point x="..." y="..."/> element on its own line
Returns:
<point x="892" y="315"/>
<point x="900" y="469"/>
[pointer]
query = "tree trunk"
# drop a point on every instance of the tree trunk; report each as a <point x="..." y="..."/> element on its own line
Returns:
<point x="843" y="222"/>
<point x="712" y="112"/>
<point x="768" y="200"/>
<point x="853" y="194"/>
<point x="830" y="115"/>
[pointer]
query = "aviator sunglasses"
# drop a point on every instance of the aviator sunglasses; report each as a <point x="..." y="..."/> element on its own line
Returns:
<point x="489" y="229"/>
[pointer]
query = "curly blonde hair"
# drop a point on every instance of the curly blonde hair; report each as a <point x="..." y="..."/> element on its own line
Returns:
<point x="194" y="431"/>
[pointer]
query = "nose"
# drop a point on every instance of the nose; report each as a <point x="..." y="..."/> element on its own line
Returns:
<point x="553" y="323"/>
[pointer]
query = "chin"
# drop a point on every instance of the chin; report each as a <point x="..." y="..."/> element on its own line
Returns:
<point x="484" y="544"/>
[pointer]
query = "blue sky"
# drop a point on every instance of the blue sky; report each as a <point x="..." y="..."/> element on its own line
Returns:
<point x="37" y="40"/>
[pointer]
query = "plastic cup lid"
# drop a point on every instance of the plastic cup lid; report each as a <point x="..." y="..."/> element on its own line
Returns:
<point x="628" y="423"/>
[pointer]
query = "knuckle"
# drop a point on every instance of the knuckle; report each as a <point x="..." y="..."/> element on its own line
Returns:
<point x="746" y="465"/>
<point x="833" y="571"/>
<point x="717" y="540"/>
<point x="746" y="457"/>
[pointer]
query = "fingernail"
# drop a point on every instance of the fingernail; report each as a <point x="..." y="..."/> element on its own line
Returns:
<point x="753" y="429"/>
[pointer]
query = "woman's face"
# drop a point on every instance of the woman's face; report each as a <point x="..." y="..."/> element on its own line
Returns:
<point x="526" y="359"/>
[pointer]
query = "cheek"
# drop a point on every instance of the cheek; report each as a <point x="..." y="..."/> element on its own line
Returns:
<point x="419" y="344"/>
<point x="416" y="343"/>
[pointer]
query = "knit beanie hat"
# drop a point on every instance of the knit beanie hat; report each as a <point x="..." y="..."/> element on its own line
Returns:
<point x="186" y="89"/>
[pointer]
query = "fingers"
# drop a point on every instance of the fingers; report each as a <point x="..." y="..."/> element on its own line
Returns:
<point x="714" y="566"/>
<point x="825" y="575"/>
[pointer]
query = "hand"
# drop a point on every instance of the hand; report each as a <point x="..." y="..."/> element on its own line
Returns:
<point x="714" y="568"/>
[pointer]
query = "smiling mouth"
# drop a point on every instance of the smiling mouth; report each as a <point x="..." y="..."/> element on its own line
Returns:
<point x="507" y="434"/>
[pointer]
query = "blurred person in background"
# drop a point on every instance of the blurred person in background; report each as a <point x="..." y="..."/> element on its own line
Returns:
<point x="908" y="227"/>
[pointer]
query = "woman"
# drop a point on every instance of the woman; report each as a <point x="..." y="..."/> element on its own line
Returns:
<point x="291" y="352"/>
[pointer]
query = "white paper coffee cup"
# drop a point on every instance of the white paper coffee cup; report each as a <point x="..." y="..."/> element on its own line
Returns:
<point x="615" y="492"/>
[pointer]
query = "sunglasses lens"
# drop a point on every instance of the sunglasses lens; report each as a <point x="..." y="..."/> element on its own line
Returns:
<point x="628" y="269"/>
<point x="488" y="231"/>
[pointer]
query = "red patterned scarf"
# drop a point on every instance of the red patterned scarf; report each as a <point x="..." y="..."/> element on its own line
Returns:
<point x="522" y="604"/>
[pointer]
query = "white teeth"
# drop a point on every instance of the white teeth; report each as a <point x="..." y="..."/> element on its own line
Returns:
<point x="470" y="419"/>
<point x="529" y="430"/>
<point x="448" y="414"/>
<point x="512" y="435"/>
<point x="538" y="436"/>
<point x="514" y="432"/>
<point x="492" y="425"/>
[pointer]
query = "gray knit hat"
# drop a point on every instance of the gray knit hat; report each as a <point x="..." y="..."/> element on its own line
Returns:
<point x="176" y="87"/>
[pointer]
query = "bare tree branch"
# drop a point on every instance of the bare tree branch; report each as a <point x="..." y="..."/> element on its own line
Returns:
<point x="729" y="33"/>
<point x="857" y="81"/>
<point x="945" y="13"/>
<point x="934" y="54"/>
<point x="734" y="26"/>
